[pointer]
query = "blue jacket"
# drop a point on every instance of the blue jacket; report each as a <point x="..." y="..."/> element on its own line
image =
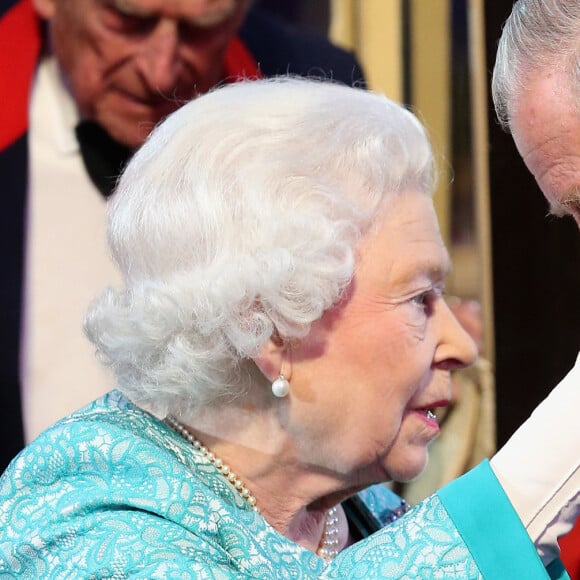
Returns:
<point x="113" y="492"/>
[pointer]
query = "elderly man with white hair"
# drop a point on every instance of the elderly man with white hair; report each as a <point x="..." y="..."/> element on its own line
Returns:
<point x="536" y="91"/>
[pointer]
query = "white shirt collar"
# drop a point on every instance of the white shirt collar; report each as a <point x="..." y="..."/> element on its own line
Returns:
<point x="65" y="115"/>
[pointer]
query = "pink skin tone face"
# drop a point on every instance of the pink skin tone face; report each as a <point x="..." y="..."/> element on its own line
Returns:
<point x="545" y="124"/>
<point x="130" y="63"/>
<point x="364" y="378"/>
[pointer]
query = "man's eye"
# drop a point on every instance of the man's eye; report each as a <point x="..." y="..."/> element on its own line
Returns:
<point x="129" y="23"/>
<point x="198" y="35"/>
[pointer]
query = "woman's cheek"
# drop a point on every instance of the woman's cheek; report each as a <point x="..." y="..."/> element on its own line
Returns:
<point x="416" y="323"/>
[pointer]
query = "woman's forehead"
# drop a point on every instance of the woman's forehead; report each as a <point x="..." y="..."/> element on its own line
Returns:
<point x="407" y="242"/>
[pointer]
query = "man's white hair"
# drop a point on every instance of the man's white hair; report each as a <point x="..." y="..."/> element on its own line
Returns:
<point x="538" y="36"/>
<point x="239" y="218"/>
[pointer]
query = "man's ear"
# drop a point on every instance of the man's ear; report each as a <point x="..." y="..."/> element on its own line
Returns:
<point x="271" y="358"/>
<point x="46" y="8"/>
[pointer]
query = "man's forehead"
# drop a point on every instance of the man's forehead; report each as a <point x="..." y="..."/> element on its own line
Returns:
<point x="545" y="124"/>
<point x="200" y="12"/>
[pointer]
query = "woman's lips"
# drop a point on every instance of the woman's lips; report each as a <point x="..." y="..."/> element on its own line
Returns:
<point x="428" y="413"/>
<point x="428" y="417"/>
<point x="431" y="407"/>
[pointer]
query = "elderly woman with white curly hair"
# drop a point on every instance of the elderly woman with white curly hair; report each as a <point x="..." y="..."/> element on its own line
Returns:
<point x="280" y="345"/>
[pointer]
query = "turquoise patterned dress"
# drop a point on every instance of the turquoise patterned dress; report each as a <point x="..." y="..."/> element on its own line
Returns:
<point x="112" y="492"/>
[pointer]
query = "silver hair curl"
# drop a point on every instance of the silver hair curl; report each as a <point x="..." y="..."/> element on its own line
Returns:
<point x="239" y="218"/>
<point x="539" y="35"/>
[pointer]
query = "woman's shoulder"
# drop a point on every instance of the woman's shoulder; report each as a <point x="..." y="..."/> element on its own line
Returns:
<point x="110" y="430"/>
<point x="112" y="483"/>
<point x="104" y="448"/>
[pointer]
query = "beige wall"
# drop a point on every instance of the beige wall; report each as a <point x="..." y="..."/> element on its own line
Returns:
<point x="372" y="28"/>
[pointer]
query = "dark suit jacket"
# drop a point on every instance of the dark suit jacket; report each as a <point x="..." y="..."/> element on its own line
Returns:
<point x="277" y="48"/>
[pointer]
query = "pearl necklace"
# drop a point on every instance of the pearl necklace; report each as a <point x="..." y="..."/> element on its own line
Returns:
<point x="217" y="462"/>
<point x="328" y="546"/>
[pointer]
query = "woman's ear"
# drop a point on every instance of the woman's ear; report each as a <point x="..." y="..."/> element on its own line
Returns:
<point x="271" y="358"/>
<point x="46" y="8"/>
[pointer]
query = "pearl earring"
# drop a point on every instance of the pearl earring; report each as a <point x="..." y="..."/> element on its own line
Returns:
<point x="280" y="387"/>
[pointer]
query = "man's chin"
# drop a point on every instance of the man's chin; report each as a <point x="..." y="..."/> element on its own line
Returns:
<point x="131" y="127"/>
<point x="132" y="136"/>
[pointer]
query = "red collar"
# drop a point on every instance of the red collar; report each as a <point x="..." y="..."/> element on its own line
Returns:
<point x="19" y="50"/>
<point x="239" y="63"/>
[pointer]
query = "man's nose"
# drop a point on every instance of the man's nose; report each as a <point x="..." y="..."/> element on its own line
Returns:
<point x="159" y="59"/>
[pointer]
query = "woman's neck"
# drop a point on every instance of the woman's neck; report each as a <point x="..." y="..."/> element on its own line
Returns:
<point x="293" y="498"/>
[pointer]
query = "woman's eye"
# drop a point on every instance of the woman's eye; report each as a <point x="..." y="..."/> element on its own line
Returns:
<point x="421" y="299"/>
<point x="426" y="300"/>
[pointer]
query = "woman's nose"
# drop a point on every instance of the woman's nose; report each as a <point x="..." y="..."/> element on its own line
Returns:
<point x="456" y="349"/>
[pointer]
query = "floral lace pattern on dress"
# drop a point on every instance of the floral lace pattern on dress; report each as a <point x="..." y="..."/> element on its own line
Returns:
<point x="112" y="492"/>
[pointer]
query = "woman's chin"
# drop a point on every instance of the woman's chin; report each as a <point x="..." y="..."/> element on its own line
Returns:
<point x="408" y="468"/>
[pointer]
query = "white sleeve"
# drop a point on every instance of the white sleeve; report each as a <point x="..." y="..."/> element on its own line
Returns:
<point x="539" y="467"/>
